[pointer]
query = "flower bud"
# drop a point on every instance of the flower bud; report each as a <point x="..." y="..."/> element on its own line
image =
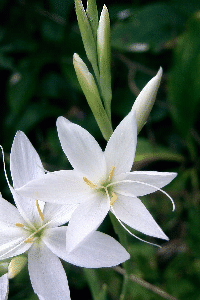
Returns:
<point x="145" y="100"/>
<point x="104" y="57"/>
<point x="91" y="93"/>
<point x="16" y="265"/>
<point x="86" y="32"/>
<point x="92" y="14"/>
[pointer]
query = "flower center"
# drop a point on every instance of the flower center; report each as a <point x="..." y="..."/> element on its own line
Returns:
<point x="34" y="232"/>
<point x="104" y="187"/>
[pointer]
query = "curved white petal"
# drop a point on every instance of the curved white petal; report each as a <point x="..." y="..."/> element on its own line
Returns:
<point x="146" y="182"/>
<point x="56" y="214"/>
<point x="132" y="212"/>
<point x="97" y="251"/>
<point x="85" y="219"/>
<point x="81" y="149"/>
<point x="25" y="163"/>
<point x="47" y="274"/>
<point x="60" y="187"/>
<point x="120" y="150"/>
<point x="4" y="287"/>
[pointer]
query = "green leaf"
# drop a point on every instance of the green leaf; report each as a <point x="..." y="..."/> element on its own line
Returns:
<point x="150" y="27"/>
<point x="147" y="153"/>
<point x="184" y="87"/>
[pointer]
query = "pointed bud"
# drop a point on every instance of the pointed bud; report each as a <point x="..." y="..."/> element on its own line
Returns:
<point x="16" y="265"/>
<point x="104" y="57"/>
<point x="145" y="100"/>
<point x="92" y="14"/>
<point x="91" y="93"/>
<point x="86" y="32"/>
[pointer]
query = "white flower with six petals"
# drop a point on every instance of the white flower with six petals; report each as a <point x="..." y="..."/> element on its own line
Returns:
<point x="34" y="229"/>
<point x="101" y="181"/>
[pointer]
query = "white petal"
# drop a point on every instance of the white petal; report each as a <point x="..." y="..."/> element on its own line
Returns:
<point x="4" y="287"/>
<point x="25" y="164"/>
<point x="56" y="214"/>
<point x="9" y="213"/>
<point x="11" y="236"/>
<point x="81" y="149"/>
<point x="120" y="150"/>
<point x="60" y="187"/>
<point x="12" y="242"/>
<point x="132" y="211"/>
<point x="150" y="182"/>
<point x="47" y="274"/>
<point x="97" y="251"/>
<point x="85" y="219"/>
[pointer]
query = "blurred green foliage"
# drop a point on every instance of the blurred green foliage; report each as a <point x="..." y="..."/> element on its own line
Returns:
<point x="38" y="84"/>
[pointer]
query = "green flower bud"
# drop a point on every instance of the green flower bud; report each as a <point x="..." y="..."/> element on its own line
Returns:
<point x="91" y="93"/>
<point x="104" y="58"/>
<point x="92" y="14"/>
<point x="86" y="34"/>
<point x="145" y="100"/>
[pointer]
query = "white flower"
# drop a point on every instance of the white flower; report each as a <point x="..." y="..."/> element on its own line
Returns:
<point x="35" y="231"/>
<point x="101" y="181"/>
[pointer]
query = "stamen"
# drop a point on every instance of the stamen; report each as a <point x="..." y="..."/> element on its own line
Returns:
<point x="29" y="240"/>
<point x="39" y="210"/>
<point x="111" y="172"/>
<point x="19" y="225"/>
<point x="113" y="198"/>
<point x="88" y="182"/>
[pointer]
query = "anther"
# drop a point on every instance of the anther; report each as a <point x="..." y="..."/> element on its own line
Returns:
<point x="88" y="182"/>
<point x="19" y="225"/>
<point x="39" y="210"/>
<point x="29" y="240"/>
<point x="111" y="172"/>
<point x="113" y="198"/>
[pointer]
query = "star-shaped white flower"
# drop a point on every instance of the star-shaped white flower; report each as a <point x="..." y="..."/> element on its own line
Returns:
<point x="101" y="181"/>
<point x="29" y="228"/>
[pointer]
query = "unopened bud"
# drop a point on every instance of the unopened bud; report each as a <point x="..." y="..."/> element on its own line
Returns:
<point x="145" y="100"/>
<point x="16" y="265"/>
<point x="104" y="57"/>
<point x="86" y="32"/>
<point x="91" y="93"/>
